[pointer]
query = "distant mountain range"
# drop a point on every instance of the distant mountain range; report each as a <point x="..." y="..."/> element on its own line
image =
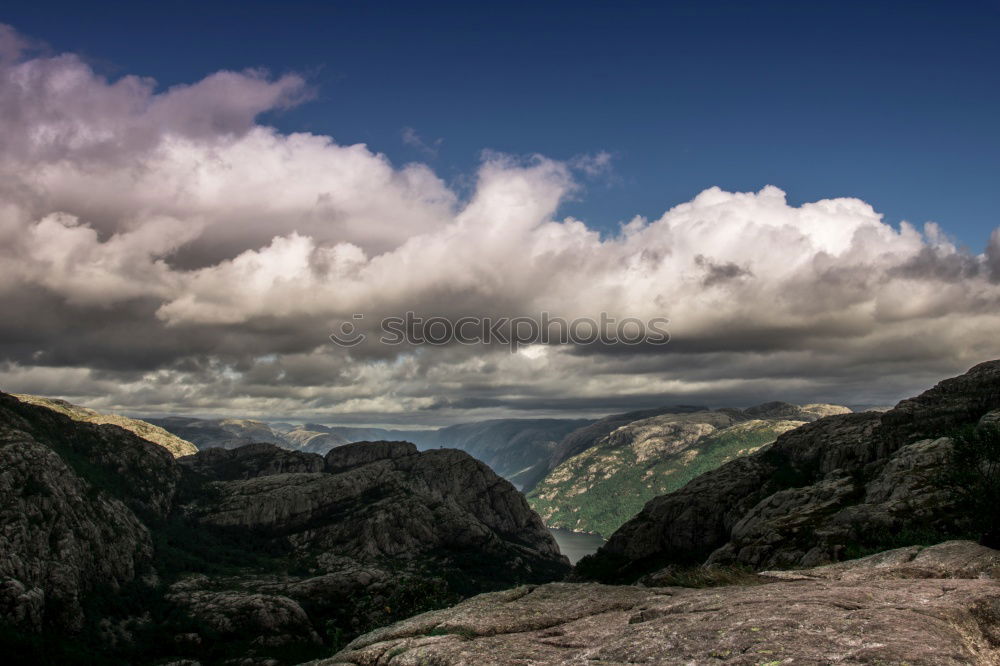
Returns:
<point x="579" y="474"/>
<point x="516" y="449"/>
<point x="520" y="450"/>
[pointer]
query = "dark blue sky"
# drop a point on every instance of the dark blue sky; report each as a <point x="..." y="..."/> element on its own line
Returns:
<point x="895" y="103"/>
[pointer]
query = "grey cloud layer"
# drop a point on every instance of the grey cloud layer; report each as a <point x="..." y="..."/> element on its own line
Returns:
<point x="163" y="251"/>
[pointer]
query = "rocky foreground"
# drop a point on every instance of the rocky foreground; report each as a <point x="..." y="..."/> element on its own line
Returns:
<point x="933" y="606"/>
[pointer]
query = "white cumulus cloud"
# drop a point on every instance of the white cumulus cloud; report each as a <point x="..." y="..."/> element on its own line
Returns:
<point x="181" y="255"/>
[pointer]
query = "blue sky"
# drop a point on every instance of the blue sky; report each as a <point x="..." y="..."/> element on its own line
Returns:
<point x="894" y="103"/>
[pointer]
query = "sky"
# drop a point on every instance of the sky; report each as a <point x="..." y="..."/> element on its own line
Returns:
<point x="894" y="103"/>
<point x="195" y="194"/>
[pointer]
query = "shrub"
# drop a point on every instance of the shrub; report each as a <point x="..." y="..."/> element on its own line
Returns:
<point x="703" y="576"/>
<point x="973" y="474"/>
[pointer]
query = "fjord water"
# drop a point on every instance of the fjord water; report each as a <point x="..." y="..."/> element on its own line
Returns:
<point x="576" y="545"/>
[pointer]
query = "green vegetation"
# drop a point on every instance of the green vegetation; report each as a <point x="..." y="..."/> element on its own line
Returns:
<point x="704" y="576"/>
<point x="887" y="540"/>
<point x="622" y="484"/>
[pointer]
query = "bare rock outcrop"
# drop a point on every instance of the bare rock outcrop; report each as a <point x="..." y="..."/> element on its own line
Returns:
<point x="270" y="620"/>
<point x="250" y="461"/>
<point x="357" y="454"/>
<point x="142" y="474"/>
<point x="929" y="607"/>
<point x="383" y="499"/>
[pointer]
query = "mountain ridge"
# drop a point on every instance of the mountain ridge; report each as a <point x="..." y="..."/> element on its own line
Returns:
<point x="143" y="428"/>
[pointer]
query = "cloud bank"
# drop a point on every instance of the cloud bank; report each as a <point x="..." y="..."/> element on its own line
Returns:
<point x="163" y="250"/>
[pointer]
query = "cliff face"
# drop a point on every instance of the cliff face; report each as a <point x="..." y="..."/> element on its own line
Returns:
<point x="930" y="607"/>
<point x="60" y="539"/>
<point x="602" y="487"/>
<point x="113" y="547"/>
<point x="376" y="499"/>
<point x="851" y="481"/>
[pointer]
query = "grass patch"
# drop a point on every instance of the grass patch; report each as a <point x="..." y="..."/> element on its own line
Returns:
<point x="704" y="576"/>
